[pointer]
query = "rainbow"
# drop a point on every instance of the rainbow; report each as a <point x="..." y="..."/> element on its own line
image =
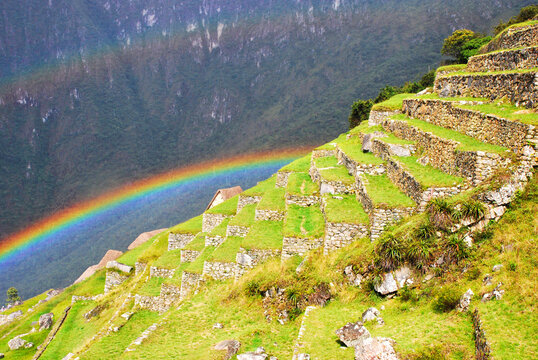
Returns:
<point x="44" y="229"/>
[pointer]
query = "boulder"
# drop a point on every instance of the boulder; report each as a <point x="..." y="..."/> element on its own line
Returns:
<point x="230" y="346"/>
<point x="303" y="356"/>
<point x="352" y="334"/>
<point x="376" y="349"/>
<point x="118" y="266"/>
<point x="497" y="267"/>
<point x="45" y="321"/>
<point x="465" y="300"/>
<point x="370" y="314"/>
<point x="403" y="276"/>
<point x="353" y="279"/>
<point x="16" y="343"/>
<point x="28" y="345"/>
<point x="399" y="150"/>
<point x="367" y="140"/>
<point x="251" y="356"/>
<point x="1" y="356"/>
<point x="387" y="286"/>
<point x="5" y="319"/>
<point x="487" y="280"/>
<point x="218" y="326"/>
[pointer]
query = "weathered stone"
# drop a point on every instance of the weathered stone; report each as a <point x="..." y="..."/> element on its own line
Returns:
<point x="45" y="321"/>
<point x="210" y="221"/>
<point x="377" y="117"/>
<point x="367" y="140"/>
<point x="497" y="267"/>
<point x="370" y="314"/>
<point x="526" y="58"/>
<point x="251" y="356"/>
<point x="118" y="266"/>
<point x="465" y="301"/>
<point x="387" y="286"/>
<point x="113" y="279"/>
<point x="218" y="326"/>
<point x="299" y="246"/>
<point x="513" y="38"/>
<point x="94" y="312"/>
<point x="352" y="334"/>
<point x="28" y="345"/>
<point x="127" y="315"/>
<point x="16" y="343"/>
<point x="353" y="279"/>
<point x="230" y="346"/>
<point x="179" y="240"/>
<point x="403" y="276"/>
<point x="161" y="272"/>
<point x="139" y="267"/>
<point x="6" y="319"/>
<point x="375" y="349"/>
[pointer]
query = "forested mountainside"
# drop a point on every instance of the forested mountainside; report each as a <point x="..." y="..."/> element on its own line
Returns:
<point x="98" y="93"/>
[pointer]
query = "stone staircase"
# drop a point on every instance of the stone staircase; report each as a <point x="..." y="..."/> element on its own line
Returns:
<point x="435" y="145"/>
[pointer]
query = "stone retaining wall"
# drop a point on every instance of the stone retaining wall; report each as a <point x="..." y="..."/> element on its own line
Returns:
<point x="252" y="257"/>
<point x="323" y="153"/>
<point x="189" y="282"/>
<point x="221" y="270"/>
<point x="482" y="349"/>
<point x="380" y="218"/>
<point x="139" y="267"/>
<point x="338" y="235"/>
<point x="273" y="215"/>
<point x="113" y="279"/>
<point x="282" y="178"/>
<point x="179" y="241"/>
<point x="161" y="272"/>
<point x="159" y="304"/>
<point x="298" y="246"/>
<point x="513" y="38"/>
<point x="234" y="230"/>
<point x="487" y="128"/>
<point x="247" y="200"/>
<point x="210" y="221"/>
<point x="377" y="117"/>
<point x="336" y="187"/>
<point x="519" y="88"/>
<point x="362" y="196"/>
<point x="354" y="168"/>
<point x="214" y="240"/>
<point x="526" y="58"/>
<point x="171" y="292"/>
<point x="385" y="150"/>
<point x="303" y="201"/>
<point x="189" y="255"/>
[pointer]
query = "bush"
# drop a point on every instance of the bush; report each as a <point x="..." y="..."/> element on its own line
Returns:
<point x="456" y="249"/>
<point x="440" y="213"/>
<point x="462" y="44"/>
<point x="389" y="252"/>
<point x="447" y="300"/>
<point x="419" y="252"/>
<point x="252" y="288"/>
<point x="474" y="210"/>
<point x="360" y="111"/>
<point x="425" y="231"/>
<point x="526" y="13"/>
<point x="407" y="294"/>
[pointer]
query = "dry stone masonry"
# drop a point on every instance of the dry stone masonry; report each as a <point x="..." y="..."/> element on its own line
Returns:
<point x="221" y="270"/>
<point x="247" y="200"/>
<point x="189" y="282"/>
<point x="189" y="255"/>
<point x="179" y="241"/>
<point x="282" y="178"/>
<point x="248" y="258"/>
<point x="234" y="230"/>
<point x="513" y="38"/>
<point x="526" y="58"/>
<point x="210" y="221"/>
<point x="161" y="272"/>
<point x="303" y="201"/>
<point x="273" y="215"/>
<point x="338" y="235"/>
<point x="292" y="246"/>
<point x="215" y="240"/>
<point x="113" y="279"/>
<point x="377" y="117"/>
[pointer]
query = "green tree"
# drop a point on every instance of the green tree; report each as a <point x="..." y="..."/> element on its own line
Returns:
<point x="526" y="13"/>
<point x="360" y="110"/>
<point x="12" y="295"/>
<point x="454" y="44"/>
<point x="471" y="47"/>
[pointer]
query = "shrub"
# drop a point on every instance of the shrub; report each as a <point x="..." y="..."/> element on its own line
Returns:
<point x="454" y="44"/>
<point x="407" y="294"/>
<point x="512" y="266"/>
<point x="360" y="111"/>
<point x="447" y="300"/>
<point x="473" y="210"/>
<point x="389" y="252"/>
<point x="252" y="288"/>
<point x="525" y="14"/>
<point x="419" y="251"/>
<point x="425" y="231"/>
<point x="455" y="248"/>
<point x="440" y="213"/>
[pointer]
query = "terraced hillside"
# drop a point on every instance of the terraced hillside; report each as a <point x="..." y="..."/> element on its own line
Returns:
<point x="404" y="213"/>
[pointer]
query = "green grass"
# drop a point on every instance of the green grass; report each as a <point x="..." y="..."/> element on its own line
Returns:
<point x="304" y="222"/>
<point x="428" y="176"/>
<point x="352" y="148"/>
<point x="504" y="50"/>
<point x="191" y="226"/>
<point x="152" y="287"/>
<point x="264" y="235"/>
<point x="227" y="207"/>
<point x="220" y="229"/>
<point x="506" y="111"/>
<point x="245" y="217"/>
<point x="299" y="165"/>
<point x="197" y="266"/>
<point x="345" y="210"/>
<point x="198" y="243"/>
<point x="331" y="145"/>
<point x="130" y="257"/>
<point x="389" y="138"/>
<point x="392" y="104"/>
<point x="159" y="246"/>
<point x="487" y="73"/>
<point x="301" y="184"/>
<point x="176" y="278"/>
<point x="434" y="96"/>
<point x="339" y="173"/>
<point x="384" y="193"/>
<point x="455" y="67"/>
<point x="94" y="285"/>
<point x="261" y="187"/>
<point x="467" y="143"/>
<point x="26" y="304"/>
<point x="326" y="162"/>
<point x="227" y="251"/>
<point x="516" y="26"/>
<point x="168" y="260"/>
<point x="273" y="200"/>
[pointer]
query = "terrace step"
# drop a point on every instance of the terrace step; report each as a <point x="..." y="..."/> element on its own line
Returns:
<point x="461" y="117"/>
<point x="513" y="37"/>
<point x="331" y="177"/>
<point x="519" y="87"/>
<point x="511" y="59"/>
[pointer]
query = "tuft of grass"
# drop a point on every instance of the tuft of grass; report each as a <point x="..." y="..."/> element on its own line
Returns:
<point x="260" y="188"/>
<point x="301" y="184"/>
<point x="384" y="193"/>
<point x="227" y="251"/>
<point x="344" y="209"/>
<point x="273" y="200"/>
<point x="264" y="235"/>
<point x="168" y="260"/>
<point x="191" y="226"/>
<point x="304" y="222"/>
<point x="489" y="73"/>
<point x="326" y="162"/>
<point x="441" y="213"/>
<point x="299" y="165"/>
<point x="427" y="175"/>
<point x="228" y="207"/>
<point x="389" y="252"/>
<point x="152" y="287"/>
<point x="392" y="104"/>
<point x="198" y="243"/>
<point x="245" y="217"/>
<point x="472" y="209"/>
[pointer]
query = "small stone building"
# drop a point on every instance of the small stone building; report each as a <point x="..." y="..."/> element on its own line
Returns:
<point x="224" y="194"/>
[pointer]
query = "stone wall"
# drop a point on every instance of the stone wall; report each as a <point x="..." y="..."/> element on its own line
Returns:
<point x="362" y="195"/>
<point x="273" y="215"/>
<point x="298" y="246"/>
<point x="179" y="241"/>
<point x="355" y="169"/>
<point x="234" y="230"/>
<point x="161" y="272"/>
<point x="189" y="255"/>
<point x="189" y="282"/>
<point x="113" y="279"/>
<point x="282" y="179"/>
<point x="519" y="88"/>
<point x="210" y="221"/>
<point x="323" y="153"/>
<point x="139" y="267"/>
<point x="214" y="240"/>
<point x="159" y="304"/>
<point x="171" y="292"/>
<point x="303" y="201"/>
<point x="513" y="38"/>
<point x="247" y="200"/>
<point x="221" y="270"/>
<point x="380" y="218"/>
<point x="377" y="117"/>
<point x="482" y="349"/>
<point x="338" y="235"/>
<point x="475" y="166"/>
<point x="252" y="257"/>
<point x="526" y="58"/>
<point x="336" y="187"/>
<point x="487" y="128"/>
<point x="385" y="150"/>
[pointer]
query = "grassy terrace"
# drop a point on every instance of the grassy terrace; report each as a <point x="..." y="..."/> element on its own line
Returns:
<point x="155" y="249"/>
<point x="384" y="193"/>
<point x="245" y="217"/>
<point x="428" y="176"/>
<point x="435" y="96"/>
<point x="192" y="226"/>
<point x="129" y="258"/>
<point x="506" y="111"/>
<point x="352" y="148"/>
<point x="197" y="266"/>
<point x="261" y="187"/>
<point x="464" y="73"/>
<point x="326" y="162"/>
<point x="304" y="222"/>
<point x="467" y="143"/>
<point x="299" y="165"/>
<point x="301" y="184"/>
<point x="176" y="279"/>
<point x="392" y="104"/>
<point x="152" y="287"/>
<point x="227" y="207"/>
<point x="220" y="229"/>
<point x="168" y="260"/>
<point x="198" y="243"/>
<point x="264" y="235"/>
<point x="455" y="67"/>
<point x="338" y="173"/>
<point x="344" y="209"/>
<point x="504" y="50"/>
<point x="331" y="145"/>
<point x="226" y="251"/>
<point x="364" y="128"/>
<point x="273" y="200"/>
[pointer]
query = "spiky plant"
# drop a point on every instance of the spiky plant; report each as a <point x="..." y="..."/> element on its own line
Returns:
<point x="440" y="213"/>
<point x="424" y="231"/>
<point x="473" y="210"/>
<point x="456" y="249"/>
<point x="419" y="251"/>
<point x="389" y="252"/>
